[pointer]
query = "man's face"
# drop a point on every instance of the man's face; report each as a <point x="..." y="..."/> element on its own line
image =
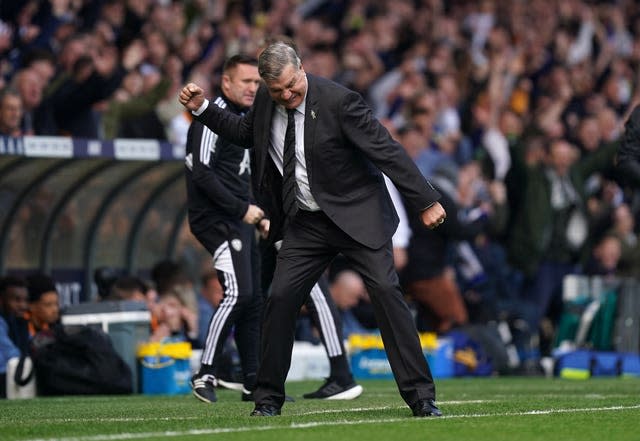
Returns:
<point x="240" y="84"/>
<point x="16" y="300"/>
<point x="30" y="87"/>
<point x="46" y="309"/>
<point x="562" y="156"/>
<point x="10" y="112"/>
<point x="290" y="88"/>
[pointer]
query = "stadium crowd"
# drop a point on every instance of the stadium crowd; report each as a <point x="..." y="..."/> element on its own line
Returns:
<point x="513" y="109"/>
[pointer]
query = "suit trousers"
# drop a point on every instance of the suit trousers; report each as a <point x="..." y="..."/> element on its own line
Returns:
<point x="311" y="242"/>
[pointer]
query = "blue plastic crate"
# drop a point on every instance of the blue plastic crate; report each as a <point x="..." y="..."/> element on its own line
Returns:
<point x="165" y="376"/>
<point x="373" y="363"/>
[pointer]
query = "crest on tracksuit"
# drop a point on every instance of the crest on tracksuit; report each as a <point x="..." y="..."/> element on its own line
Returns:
<point x="236" y="244"/>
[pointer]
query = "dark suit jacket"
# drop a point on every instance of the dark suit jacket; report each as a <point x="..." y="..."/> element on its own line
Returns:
<point x="346" y="149"/>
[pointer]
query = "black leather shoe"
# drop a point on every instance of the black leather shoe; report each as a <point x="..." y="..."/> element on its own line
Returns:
<point x="426" y="408"/>
<point x="265" y="410"/>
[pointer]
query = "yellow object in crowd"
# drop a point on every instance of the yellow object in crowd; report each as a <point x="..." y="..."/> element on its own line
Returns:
<point x="179" y="350"/>
<point x="363" y="342"/>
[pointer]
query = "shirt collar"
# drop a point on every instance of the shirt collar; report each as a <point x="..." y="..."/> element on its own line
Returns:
<point x="301" y="108"/>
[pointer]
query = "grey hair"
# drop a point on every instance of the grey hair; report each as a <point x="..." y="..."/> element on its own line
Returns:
<point x="275" y="58"/>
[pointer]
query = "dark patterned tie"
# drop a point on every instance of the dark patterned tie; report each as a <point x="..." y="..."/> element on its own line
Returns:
<point x="289" y="203"/>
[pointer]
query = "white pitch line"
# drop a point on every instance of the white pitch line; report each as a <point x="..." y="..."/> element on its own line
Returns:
<point x="116" y="419"/>
<point x="185" y="418"/>
<point x="366" y="409"/>
<point x="196" y="432"/>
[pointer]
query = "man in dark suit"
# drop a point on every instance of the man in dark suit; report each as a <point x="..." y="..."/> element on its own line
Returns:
<point x="341" y="205"/>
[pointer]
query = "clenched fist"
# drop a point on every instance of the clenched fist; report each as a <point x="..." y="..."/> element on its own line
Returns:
<point x="191" y="96"/>
<point x="433" y="216"/>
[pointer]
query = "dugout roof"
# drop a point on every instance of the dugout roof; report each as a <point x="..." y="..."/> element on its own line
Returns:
<point x="69" y="206"/>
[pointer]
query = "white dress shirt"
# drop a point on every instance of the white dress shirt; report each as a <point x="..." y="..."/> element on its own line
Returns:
<point x="306" y="200"/>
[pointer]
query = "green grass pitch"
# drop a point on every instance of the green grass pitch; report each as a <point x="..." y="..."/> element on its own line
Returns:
<point x="520" y="409"/>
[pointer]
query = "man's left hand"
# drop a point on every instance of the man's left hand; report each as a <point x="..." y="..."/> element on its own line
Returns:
<point x="433" y="216"/>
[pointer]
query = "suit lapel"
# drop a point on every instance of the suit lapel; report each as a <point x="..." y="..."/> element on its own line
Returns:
<point x="310" y="122"/>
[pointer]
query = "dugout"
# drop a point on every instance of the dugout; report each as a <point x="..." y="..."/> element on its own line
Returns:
<point x="69" y="206"/>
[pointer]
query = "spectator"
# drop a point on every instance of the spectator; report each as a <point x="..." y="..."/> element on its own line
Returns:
<point x="589" y="135"/>
<point x="90" y="71"/>
<point x="167" y="274"/>
<point x="171" y="278"/>
<point x="30" y="87"/>
<point x="362" y="64"/>
<point x="624" y="229"/>
<point x="605" y="257"/>
<point x="6" y="39"/>
<point x="128" y="288"/>
<point x="10" y="113"/>
<point x="347" y="290"/>
<point x="136" y="115"/>
<point x="137" y="95"/>
<point x="43" y="62"/>
<point x="13" y="308"/>
<point x="14" y="296"/>
<point x="130" y="114"/>
<point x="104" y="277"/>
<point x="422" y="111"/>
<point x="392" y="90"/>
<point x="174" y="320"/>
<point x="551" y="229"/>
<point x="44" y="304"/>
